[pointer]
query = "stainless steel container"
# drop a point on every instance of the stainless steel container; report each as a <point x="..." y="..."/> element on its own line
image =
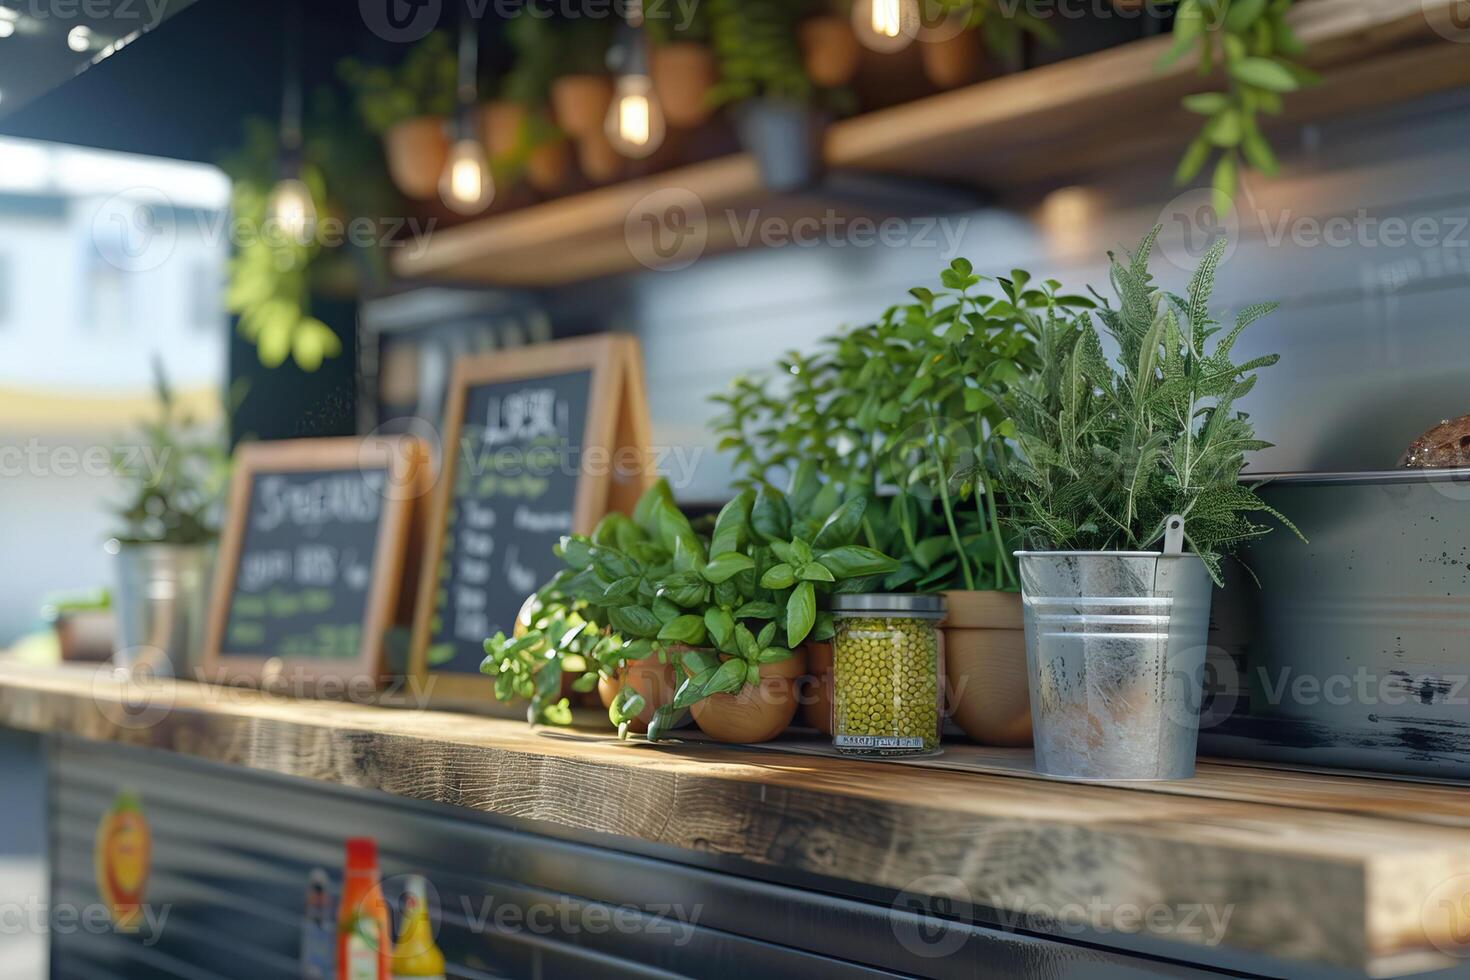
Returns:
<point x="1115" y="646"/>
<point x="1354" y="651"/>
<point x="161" y="603"/>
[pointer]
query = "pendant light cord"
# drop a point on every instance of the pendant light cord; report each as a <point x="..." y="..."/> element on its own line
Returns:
<point x="291" y="99"/>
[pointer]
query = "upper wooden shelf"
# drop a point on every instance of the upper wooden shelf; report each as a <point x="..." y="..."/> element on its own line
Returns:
<point x="1040" y="126"/>
<point x="1336" y="873"/>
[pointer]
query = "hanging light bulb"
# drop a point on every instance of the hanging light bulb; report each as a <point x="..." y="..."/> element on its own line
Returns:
<point x="635" y="120"/>
<point x="467" y="185"/>
<point x="635" y="123"/>
<point x="292" y="210"/>
<point x="886" y="25"/>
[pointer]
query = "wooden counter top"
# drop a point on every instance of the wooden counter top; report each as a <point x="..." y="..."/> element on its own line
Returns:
<point x="1337" y="872"/>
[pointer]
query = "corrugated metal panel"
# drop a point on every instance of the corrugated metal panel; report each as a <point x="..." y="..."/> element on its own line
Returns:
<point x="232" y="850"/>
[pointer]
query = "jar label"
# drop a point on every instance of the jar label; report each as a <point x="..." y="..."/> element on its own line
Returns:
<point x="877" y="742"/>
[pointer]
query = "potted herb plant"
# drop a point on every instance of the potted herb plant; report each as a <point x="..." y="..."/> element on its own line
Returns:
<point x="1113" y="462"/>
<point x="906" y="412"/>
<point x="682" y="64"/>
<point x="727" y="610"/>
<point x="955" y="50"/>
<point x="407" y="107"/>
<point x="176" y="470"/>
<point x="535" y="143"/>
<point x="772" y="98"/>
<point x="830" y="51"/>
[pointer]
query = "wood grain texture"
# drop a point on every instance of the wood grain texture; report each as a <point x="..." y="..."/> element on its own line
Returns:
<point x="1052" y="123"/>
<point x="1329" y="871"/>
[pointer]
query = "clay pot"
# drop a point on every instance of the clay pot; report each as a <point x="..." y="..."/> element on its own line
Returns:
<point x="417" y="150"/>
<point x="501" y="123"/>
<point x="953" y="61"/>
<point x="549" y="164"/>
<point x="985" y="667"/>
<point x="656" y="681"/>
<point x="830" y="50"/>
<point x="600" y="160"/>
<point x="755" y="714"/>
<point x="683" y="73"/>
<point x="580" y="103"/>
<point x="814" y="689"/>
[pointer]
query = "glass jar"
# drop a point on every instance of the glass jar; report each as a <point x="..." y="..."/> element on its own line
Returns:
<point x="887" y="665"/>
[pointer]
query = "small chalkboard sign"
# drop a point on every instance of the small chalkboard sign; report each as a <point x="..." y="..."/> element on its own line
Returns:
<point x="312" y="558"/>
<point x="539" y="442"/>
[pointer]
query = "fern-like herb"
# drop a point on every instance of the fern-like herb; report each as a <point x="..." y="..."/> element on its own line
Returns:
<point x="1106" y="454"/>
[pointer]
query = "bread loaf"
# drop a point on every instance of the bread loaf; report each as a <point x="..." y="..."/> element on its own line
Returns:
<point x="1444" y="446"/>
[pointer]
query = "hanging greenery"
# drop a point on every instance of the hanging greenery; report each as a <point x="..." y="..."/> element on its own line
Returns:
<point x="1256" y="48"/>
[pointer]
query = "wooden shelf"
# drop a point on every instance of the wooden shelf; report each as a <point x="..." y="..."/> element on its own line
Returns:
<point x="1041" y="126"/>
<point x="1332" y="872"/>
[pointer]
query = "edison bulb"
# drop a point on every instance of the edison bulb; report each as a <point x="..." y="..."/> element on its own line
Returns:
<point x="886" y="25"/>
<point x="467" y="185"/>
<point x="291" y="209"/>
<point x="635" y="123"/>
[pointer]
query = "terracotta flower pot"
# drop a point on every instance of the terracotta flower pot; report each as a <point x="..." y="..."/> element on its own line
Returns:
<point x="417" y="150"/>
<point x="599" y="159"/>
<point x="501" y="123"/>
<point x="549" y="164"/>
<point x="814" y="688"/>
<point x="953" y="61"/>
<point x="580" y="103"/>
<point x="755" y="714"/>
<point x="830" y="50"/>
<point x="683" y="73"/>
<point x="985" y="667"/>
<point x="656" y="681"/>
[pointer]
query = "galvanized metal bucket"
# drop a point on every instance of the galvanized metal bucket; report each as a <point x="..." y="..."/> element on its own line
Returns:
<point x="161" y="603"/>
<point x="1115" y="646"/>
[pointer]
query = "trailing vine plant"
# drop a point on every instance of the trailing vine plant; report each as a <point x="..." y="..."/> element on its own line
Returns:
<point x="1253" y="44"/>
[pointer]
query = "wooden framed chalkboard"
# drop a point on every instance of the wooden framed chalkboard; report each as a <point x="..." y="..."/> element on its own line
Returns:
<point x="312" y="559"/>
<point x="538" y="443"/>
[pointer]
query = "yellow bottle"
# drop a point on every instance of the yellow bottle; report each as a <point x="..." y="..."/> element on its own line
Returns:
<point x="415" y="957"/>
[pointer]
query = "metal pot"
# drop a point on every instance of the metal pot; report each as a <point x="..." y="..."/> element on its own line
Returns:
<point x="161" y="604"/>
<point x="1115" y="649"/>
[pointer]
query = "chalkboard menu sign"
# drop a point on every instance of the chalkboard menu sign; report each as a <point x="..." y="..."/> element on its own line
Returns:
<point x="538" y="443"/>
<point x="312" y="557"/>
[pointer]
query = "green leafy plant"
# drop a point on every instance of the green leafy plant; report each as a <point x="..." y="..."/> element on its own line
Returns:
<point x="674" y="23"/>
<point x="756" y="44"/>
<point x="1254" y="45"/>
<point x="272" y="275"/>
<point x="906" y="412"/>
<point x="719" y="605"/>
<point x="175" y="469"/>
<point x="423" y="85"/>
<point x="1107" y="453"/>
<point x="1004" y="25"/>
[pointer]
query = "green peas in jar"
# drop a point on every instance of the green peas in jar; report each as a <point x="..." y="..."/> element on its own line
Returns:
<point x="888" y="662"/>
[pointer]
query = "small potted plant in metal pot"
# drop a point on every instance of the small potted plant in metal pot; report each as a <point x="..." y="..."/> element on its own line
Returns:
<point x="176" y="470"/>
<point x="1127" y="484"/>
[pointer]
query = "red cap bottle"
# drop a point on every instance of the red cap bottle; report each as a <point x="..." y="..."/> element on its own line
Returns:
<point x="363" y="939"/>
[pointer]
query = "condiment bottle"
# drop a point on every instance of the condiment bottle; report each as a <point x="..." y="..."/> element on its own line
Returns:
<point x="362" y="917"/>
<point x="415" y="957"/>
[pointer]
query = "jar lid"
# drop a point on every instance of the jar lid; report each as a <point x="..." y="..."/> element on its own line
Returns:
<point x="890" y="602"/>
